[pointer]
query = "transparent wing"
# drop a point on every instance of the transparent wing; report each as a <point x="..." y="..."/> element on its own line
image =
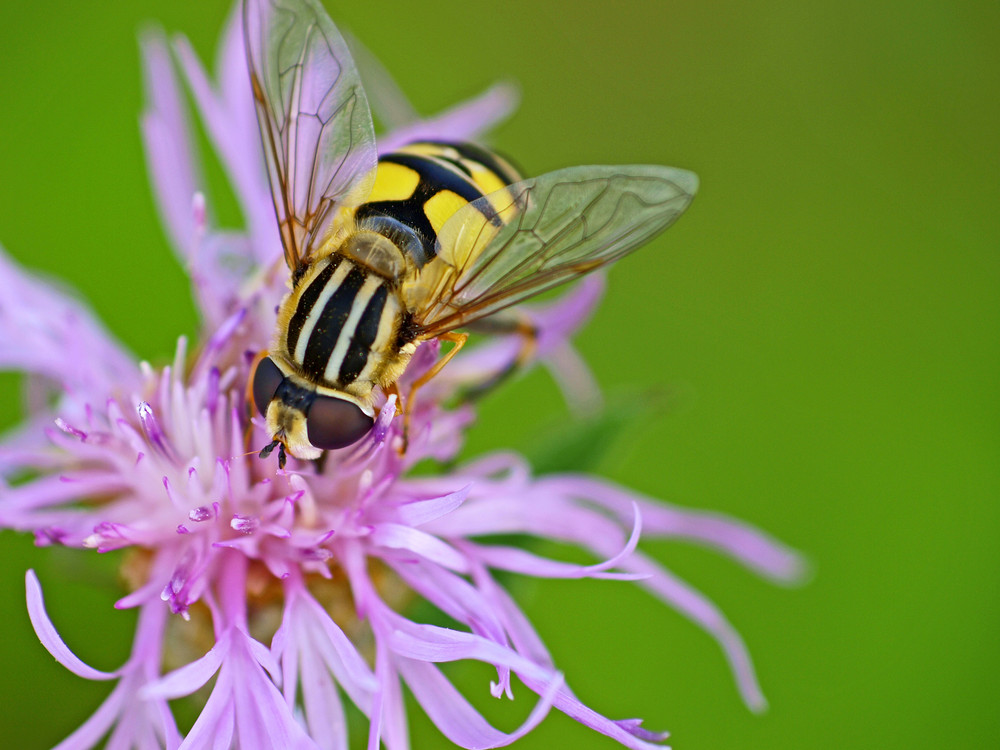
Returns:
<point x="539" y="233"/>
<point x="315" y="124"/>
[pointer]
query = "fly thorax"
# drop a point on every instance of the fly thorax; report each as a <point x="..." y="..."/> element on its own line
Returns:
<point x="343" y="321"/>
<point x="376" y="252"/>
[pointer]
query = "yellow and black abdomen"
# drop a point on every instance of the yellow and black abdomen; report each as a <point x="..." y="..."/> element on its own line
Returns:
<point x="418" y="188"/>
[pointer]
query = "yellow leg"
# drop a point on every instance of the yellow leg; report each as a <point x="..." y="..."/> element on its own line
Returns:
<point x="458" y="339"/>
<point x="393" y="390"/>
<point x="509" y="324"/>
<point x="529" y="343"/>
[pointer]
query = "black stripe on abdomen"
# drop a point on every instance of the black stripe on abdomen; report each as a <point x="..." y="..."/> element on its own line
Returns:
<point x="364" y="336"/>
<point x="329" y="325"/>
<point x="507" y="173"/>
<point x="435" y="177"/>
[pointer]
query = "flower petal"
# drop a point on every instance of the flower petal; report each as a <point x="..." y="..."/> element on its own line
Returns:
<point x="49" y="636"/>
<point x="701" y="610"/>
<point x="216" y="723"/>
<point x="170" y="152"/>
<point x="190" y="677"/>
<point x="44" y="331"/>
<point x="227" y="111"/>
<point x="453" y="595"/>
<point x="419" y="512"/>
<point x="455" y="716"/>
<point x="89" y="734"/>
<point x="521" y="561"/>
<point x="398" y="537"/>
<point x="624" y="731"/>
<point x="739" y="540"/>
<point x="513" y="621"/>
<point x="555" y="322"/>
<point x="388" y="716"/>
<point x="321" y="701"/>
<point x="464" y="122"/>
<point x="349" y="667"/>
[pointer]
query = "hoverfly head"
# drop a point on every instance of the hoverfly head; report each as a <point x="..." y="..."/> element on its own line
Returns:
<point x="301" y="420"/>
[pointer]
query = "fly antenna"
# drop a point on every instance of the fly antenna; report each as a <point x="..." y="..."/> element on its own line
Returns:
<point x="244" y="455"/>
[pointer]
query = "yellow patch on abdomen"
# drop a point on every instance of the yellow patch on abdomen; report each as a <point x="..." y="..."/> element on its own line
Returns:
<point x="441" y="207"/>
<point x="393" y="182"/>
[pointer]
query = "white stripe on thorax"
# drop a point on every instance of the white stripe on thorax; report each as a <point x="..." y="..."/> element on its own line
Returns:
<point x="386" y="328"/>
<point x="307" y="328"/>
<point x="332" y="372"/>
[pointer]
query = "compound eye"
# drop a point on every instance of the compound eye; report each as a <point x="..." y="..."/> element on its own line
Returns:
<point x="266" y="379"/>
<point x="335" y="423"/>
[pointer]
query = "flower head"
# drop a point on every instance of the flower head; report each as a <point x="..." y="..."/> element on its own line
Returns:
<point x="298" y="580"/>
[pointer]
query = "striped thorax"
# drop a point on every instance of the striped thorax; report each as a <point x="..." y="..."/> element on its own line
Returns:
<point x="340" y="325"/>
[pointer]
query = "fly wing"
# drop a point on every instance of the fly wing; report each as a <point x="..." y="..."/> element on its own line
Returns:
<point x="536" y="234"/>
<point x="315" y="124"/>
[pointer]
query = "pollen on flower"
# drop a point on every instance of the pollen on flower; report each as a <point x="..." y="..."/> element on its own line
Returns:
<point x="281" y="595"/>
<point x="244" y="524"/>
<point x="204" y="513"/>
<point x="69" y="429"/>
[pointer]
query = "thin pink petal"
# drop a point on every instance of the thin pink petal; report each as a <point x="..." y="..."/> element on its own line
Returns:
<point x="514" y="622"/>
<point x="49" y="637"/>
<point x="456" y="718"/>
<point x="349" y="666"/>
<point x="700" y="609"/>
<point x="517" y="560"/>
<point x="398" y="537"/>
<point x="322" y="704"/>
<point x="464" y="122"/>
<point x="453" y="595"/>
<point x="622" y="731"/>
<point x="388" y="717"/>
<point x="227" y="112"/>
<point x="215" y="724"/>
<point x="540" y="514"/>
<point x="419" y="512"/>
<point x="263" y="719"/>
<point x="750" y="546"/>
<point x="437" y="644"/>
<point x="46" y="332"/>
<point x="89" y="734"/>
<point x="170" y="155"/>
<point x="190" y="677"/>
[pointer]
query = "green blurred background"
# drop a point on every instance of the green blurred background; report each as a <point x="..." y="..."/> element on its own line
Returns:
<point x="823" y="322"/>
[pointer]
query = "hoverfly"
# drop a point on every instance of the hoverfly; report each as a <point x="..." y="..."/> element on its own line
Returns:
<point x="388" y="252"/>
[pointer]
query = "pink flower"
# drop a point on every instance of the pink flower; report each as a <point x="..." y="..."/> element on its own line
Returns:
<point x="300" y="576"/>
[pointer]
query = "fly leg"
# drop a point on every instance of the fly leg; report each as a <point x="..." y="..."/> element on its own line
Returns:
<point x="393" y="390"/>
<point x="507" y="322"/>
<point x="458" y="339"/>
